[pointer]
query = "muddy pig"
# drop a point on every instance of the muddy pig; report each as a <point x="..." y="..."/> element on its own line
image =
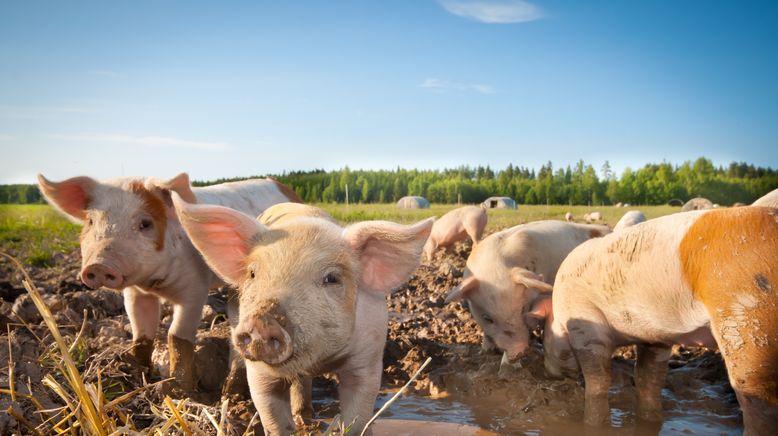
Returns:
<point x="630" y="219"/>
<point x="131" y="240"/>
<point x="455" y="226"/>
<point x="312" y="299"/>
<point x="697" y="278"/>
<point x="507" y="273"/>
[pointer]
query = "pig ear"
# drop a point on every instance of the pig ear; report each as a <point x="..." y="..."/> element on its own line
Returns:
<point x="388" y="252"/>
<point x="527" y="278"/>
<point x="224" y="236"/>
<point x="181" y="186"/>
<point x="540" y="310"/>
<point x="463" y="291"/>
<point x="70" y="196"/>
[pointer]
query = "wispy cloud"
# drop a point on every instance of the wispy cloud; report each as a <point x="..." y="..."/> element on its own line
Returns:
<point x="438" y="85"/>
<point x="149" y="141"/>
<point x="494" y="11"/>
<point x="105" y="73"/>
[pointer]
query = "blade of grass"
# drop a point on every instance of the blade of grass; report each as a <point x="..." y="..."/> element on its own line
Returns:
<point x="397" y="395"/>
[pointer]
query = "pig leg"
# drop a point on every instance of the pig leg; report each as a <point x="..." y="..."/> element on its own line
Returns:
<point x="358" y="390"/>
<point x="748" y="340"/>
<point x="593" y="348"/>
<point x="271" y="398"/>
<point x="181" y="339"/>
<point x="236" y="382"/>
<point x="143" y="310"/>
<point x="650" y="376"/>
<point x="301" y="396"/>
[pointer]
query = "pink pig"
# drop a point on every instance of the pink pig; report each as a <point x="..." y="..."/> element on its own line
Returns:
<point x="132" y="241"/>
<point x="312" y="299"/>
<point x="455" y="226"/>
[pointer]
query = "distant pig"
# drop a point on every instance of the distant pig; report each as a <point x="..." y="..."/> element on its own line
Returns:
<point x="455" y="226"/>
<point x="705" y="277"/>
<point x="507" y="273"/>
<point x="768" y="200"/>
<point x="630" y="219"/>
<point x="592" y="217"/>
<point x="312" y="299"/>
<point x="132" y="241"/>
<point x="569" y="217"/>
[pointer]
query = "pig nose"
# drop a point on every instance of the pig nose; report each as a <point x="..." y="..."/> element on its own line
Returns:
<point x="98" y="274"/>
<point x="263" y="338"/>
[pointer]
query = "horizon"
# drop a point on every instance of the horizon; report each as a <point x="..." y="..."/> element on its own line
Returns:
<point x="223" y="91"/>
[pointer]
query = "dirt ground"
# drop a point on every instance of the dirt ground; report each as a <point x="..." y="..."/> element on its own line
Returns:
<point x="462" y="384"/>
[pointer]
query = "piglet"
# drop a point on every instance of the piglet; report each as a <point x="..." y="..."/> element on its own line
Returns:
<point x="455" y="226"/>
<point x="312" y="299"/>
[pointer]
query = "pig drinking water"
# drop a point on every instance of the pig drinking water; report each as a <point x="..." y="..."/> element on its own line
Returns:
<point x="507" y="272"/>
<point x="132" y="241"/>
<point x="312" y="299"/>
<point x="697" y="278"/>
<point x="455" y="226"/>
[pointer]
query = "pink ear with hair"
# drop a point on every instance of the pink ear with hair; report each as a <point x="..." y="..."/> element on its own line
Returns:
<point x="70" y="196"/>
<point x="388" y="253"/>
<point x="529" y="279"/>
<point x="222" y="235"/>
<point x="463" y="291"/>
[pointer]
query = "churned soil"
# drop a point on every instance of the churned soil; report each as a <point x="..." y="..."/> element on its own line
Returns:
<point x="502" y="398"/>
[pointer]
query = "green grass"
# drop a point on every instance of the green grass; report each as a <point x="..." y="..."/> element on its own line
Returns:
<point x="498" y="218"/>
<point x="34" y="233"/>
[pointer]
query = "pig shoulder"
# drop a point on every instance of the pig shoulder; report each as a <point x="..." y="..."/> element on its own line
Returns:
<point x="768" y="200"/>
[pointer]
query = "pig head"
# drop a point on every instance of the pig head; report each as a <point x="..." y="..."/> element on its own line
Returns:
<point x="129" y="226"/>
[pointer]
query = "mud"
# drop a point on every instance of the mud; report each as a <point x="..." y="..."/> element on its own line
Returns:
<point x="463" y="386"/>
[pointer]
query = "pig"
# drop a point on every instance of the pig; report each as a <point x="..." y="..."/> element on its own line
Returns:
<point x="511" y="269"/>
<point x="455" y="226"/>
<point x="768" y="200"/>
<point x="707" y="277"/>
<point x="131" y="241"/>
<point x="569" y="217"/>
<point x="312" y="299"/>
<point x="591" y="217"/>
<point x="630" y="219"/>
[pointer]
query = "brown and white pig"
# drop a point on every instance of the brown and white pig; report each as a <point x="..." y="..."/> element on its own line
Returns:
<point x="768" y="200"/>
<point x="507" y="273"/>
<point x="131" y="241"/>
<point x="630" y="219"/>
<point x="312" y="299"/>
<point x="697" y="278"/>
<point x="455" y="226"/>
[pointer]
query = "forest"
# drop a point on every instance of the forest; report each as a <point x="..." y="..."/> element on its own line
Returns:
<point x="580" y="184"/>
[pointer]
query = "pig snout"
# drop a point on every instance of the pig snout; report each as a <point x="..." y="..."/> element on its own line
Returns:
<point x="96" y="275"/>
<point x="515" y="352"/>
<point x="262" y="338"/>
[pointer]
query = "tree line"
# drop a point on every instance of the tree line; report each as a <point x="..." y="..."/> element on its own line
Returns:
<point x="579" y="184"/>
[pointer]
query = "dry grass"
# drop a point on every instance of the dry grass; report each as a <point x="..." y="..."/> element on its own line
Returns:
<point x="83" y="397"/>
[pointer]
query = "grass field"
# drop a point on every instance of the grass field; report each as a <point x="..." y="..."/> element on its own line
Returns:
<point x="35" y="233"/>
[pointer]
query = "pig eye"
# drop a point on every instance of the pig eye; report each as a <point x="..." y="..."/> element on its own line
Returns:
<point x="146" y="224"/>
<point x="251" y="273"/>
<point x="89" y="221"/>
<point x="331" y="279"/>
<point x="488" y="319"/>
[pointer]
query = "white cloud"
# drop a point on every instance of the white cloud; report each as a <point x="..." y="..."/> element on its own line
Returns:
<point x="494" y="11"/>
<point x="439" y="85"/>
<point x="149" y="141"/>
<point x="105" y="73"/>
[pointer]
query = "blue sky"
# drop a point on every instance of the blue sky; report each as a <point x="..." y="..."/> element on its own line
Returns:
<point x="223" y="89"/>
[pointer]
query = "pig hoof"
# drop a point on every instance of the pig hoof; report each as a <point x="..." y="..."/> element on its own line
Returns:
<point x="182" y="362"/>
<point x="139" y="354"/>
